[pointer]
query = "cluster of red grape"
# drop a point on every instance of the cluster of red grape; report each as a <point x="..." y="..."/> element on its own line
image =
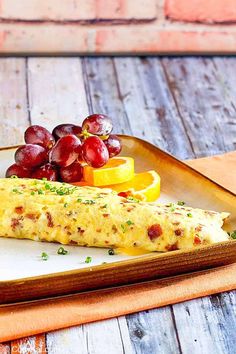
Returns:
<point x="57" y="156"/>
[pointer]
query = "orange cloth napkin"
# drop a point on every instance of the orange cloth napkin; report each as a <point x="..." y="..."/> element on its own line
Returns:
<point x="26" y="319"/>
<point x="220" y="168"/>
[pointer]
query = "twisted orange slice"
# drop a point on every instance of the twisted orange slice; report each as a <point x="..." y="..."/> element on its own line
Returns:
<point x="117" y="170"/>
<point x="144" y="186"/>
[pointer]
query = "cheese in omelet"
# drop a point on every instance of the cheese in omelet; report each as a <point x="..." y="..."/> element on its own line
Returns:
<point x="88" y="216"/>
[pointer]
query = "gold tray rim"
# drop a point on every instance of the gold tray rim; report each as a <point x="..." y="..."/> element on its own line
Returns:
<point x="137" y="260"/>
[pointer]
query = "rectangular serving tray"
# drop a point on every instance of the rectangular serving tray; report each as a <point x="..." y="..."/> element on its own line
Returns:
<point x="24" y="276"/>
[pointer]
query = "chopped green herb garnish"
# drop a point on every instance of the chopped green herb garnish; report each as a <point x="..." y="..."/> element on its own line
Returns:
<point x="79" y="200"/>
<point x="44" y="256"/>
<point x="61" y="250"/>
<point x="171" y="206"/>
<point x="233" y="235"/>
<point x="32" y="193"/>
<point x="104" y="262"/>
<point x="65" y="205"/>
<point x="190" y="215"/>
<point x="180" y="203"/>
<point x="61" y="190"/>
<point x="88" y="259"/>
<point x="15" y="190"/>
<point x="104" y="206"/>
<point x="111" y="252"/>
<point x="129" y="222"/>
<point x="40" y="191"/>
<point x="132" y="199"/>
<point x="89" y="201"/>
<point x="123" y="227"/>
<point x="14" y="176"/>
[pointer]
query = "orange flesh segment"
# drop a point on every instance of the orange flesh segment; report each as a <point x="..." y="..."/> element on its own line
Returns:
<point x="144" y="186"/>
<point x="117" y="170"/>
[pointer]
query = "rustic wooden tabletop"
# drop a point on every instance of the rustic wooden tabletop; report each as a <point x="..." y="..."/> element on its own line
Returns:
<point x="186" y="106"/>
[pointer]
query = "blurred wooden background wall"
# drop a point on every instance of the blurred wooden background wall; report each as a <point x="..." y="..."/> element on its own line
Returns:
<point x="117" y="26"/>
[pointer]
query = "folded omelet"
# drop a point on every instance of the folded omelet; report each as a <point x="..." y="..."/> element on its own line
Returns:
<point x="87" y="216"/>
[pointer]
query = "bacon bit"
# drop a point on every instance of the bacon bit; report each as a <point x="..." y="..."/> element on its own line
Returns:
<point x="177" y="213"/>
<point x="106" y="215"/>
<point x="72" y="242"/>
<point x="130" y="209"/>
<point x="154" y="231"/>
<point x="33" y="217"/>
<point x="197" y="240"/>
<point x="211" y="213"/>
<point x="49" y="217"/>
<point x="106" y="242"/>
<point x="179" y="232"/>
<point x="68" y="233"/>
<point x="124" y="194"/>
<point x="19" y="210"/>
<point x="114" y="229"/>
<point x="198" y="228"/>
<point x="173" y="247"/>
<point x="15" y="223"/>
<point x="99" y="230"/>
<point x="81" y="231"/>
<point x="176" y="223"/>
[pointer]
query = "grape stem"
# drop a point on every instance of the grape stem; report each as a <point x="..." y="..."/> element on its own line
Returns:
<point x="85" y="134"/>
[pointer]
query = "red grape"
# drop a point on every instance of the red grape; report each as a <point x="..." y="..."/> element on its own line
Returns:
<point x="95" y="152"/>
<point x="40" y="136"/>
<point x="66" y="129"/>
<point x="72" y="173"/>
<point x="46" y="171"/>
<point x="66" y="150"/>
<point x="30" y="155"/>
<point x="97" y="124"/>
<point x="18" y="171"/>
<point x="113" y="145"/>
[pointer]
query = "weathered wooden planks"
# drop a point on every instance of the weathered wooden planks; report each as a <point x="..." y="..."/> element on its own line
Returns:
<point x="13" y="101"/>
<point x="109" y="336"/>
<point x="103" y="92"/>
<point x="56" y="91"/>
<point x="207" y="330"/>
<point x="34" y="344"/>
<point x="149" y="104"/>
<point x="153" y="331"/>
<point x="205" y="103"/>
